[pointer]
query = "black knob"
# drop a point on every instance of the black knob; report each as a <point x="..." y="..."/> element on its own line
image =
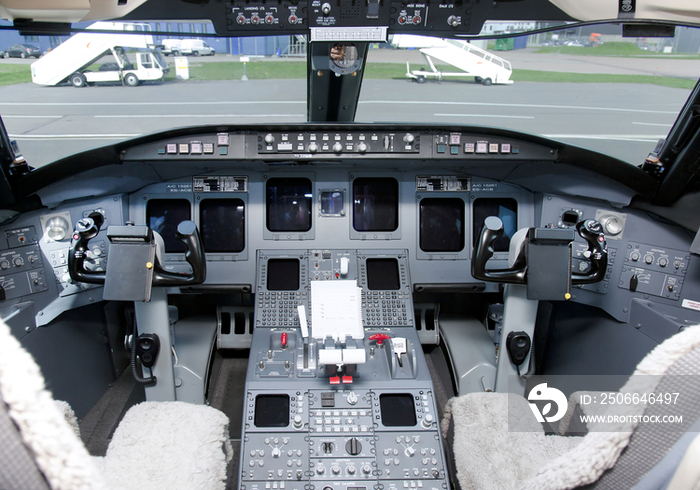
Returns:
<point x="353" y="447"/>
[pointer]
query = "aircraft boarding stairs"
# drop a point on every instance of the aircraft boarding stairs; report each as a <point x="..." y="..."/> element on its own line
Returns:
<point x="485" y="67"/>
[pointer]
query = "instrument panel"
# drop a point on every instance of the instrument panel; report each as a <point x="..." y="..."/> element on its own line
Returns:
<point x="423" y="190"/>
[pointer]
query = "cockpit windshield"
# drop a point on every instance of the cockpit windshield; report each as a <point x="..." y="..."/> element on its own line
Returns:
<point x="587" y="86"/>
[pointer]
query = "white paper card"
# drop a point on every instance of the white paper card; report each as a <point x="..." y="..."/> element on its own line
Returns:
<point x="336" y="310"/>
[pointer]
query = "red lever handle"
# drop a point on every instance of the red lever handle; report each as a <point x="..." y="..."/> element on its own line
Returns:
<point x="379" y="337"/>
<point x="283" y="339"/>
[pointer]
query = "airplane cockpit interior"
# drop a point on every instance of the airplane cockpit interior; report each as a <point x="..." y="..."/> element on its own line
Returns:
<point x="362" y="296"/>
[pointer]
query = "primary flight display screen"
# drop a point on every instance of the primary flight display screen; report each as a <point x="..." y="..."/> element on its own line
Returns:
<point x="506" y="209"/>
<point x="283" y="274"/>
<point x="442" y="225"/>
<point x="397" y="410"/>
<point x="375" y="204"/>
<point x="289" y="202"/>
<point x="221" y="224"/>
<point x="383" y="274"/>
<point x="163" y="216"/>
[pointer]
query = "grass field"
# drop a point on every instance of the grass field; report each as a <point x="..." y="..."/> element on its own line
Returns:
<point x="614" y="49"/>
<point x="260" y="70"/>
<point x="12" y="74"/>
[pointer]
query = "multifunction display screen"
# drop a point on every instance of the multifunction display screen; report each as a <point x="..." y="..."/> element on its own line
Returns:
<point x="375" y="204"/>
<point x="442" y="225"/>
<point x="222" y="225"/>
<point x="289" y="202"/>
<point x="283" y="275"/>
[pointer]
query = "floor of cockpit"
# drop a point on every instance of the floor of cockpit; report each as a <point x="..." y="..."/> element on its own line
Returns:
<point x="98" y="426"/>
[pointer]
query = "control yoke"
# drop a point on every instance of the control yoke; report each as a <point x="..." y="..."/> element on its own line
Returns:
<point x="187" y="233"/>
<point x="590" y="230"/>
<point x="85" y="230"/>
<point x="134" y="264"/>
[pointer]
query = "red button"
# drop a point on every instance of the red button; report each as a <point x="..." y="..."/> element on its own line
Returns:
<point x="335" y="380"/>
<point x="347" y="380"/>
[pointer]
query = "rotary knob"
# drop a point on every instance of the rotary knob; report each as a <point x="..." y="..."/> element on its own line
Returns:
<point x="352" y="398"/>
<point x="351" y="470"/>
<point x="366" y="469"/>
<point x="298" y="422"/>
<point x="335" y="470"/>
<point x="634" y="256"/>
<point x="353" y="446"/>
<point x="427" y="421"/>
<point x="313" y="147"/>
<point x="4" y="264"/>
<point x="269" y="138"/>
<point x="320" y="469"/>
<point x="409" y="138"/>
<point x="362" y="147"/>
<point x="18" y="261"/>
<point x="337" y="147"/>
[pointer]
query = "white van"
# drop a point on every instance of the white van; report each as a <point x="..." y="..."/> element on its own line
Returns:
<point x="196" y="47"/>
<point x="172" y="46"/>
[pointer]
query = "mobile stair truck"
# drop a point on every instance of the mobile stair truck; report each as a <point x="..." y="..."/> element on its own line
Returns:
<point x="69" y="61"/>
<point x="485" y="67"/>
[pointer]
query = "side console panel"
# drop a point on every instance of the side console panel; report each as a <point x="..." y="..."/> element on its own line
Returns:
<point x="34" y="258"/>
<point x="649" y="265"/>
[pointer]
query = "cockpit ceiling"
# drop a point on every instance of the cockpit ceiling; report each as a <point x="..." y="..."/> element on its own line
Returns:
<point x="678" y="10"/>
<point x="66" y="10"/>
<point x="682" y="11"/>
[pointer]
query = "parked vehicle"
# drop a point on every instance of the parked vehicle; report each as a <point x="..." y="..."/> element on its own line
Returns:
<point x="171" y="46"/>
<point x="22" y="51"/>
<point x="196" y="47"/>
<point x="69" y="62"/>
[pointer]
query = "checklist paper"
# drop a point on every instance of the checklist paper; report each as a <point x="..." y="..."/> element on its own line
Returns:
<point x="336" y="310"/>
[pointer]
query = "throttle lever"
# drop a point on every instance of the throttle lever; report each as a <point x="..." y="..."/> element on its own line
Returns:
<point x="591" y="231"/>
<point x="85" y="230"/>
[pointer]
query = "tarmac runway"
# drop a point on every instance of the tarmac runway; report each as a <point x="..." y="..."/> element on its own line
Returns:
<point x="624" y="121"/>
